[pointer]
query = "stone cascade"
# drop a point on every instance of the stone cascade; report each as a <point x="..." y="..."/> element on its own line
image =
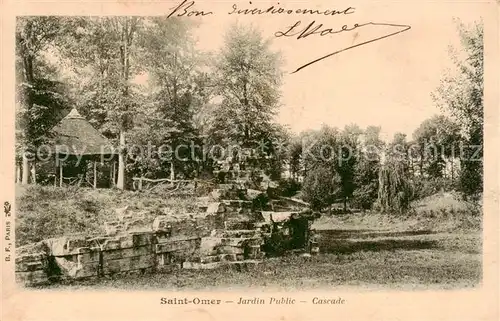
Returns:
<point x="224" y="236"/>
<point x="225" y="232"/>
<point x="235" y="247"/>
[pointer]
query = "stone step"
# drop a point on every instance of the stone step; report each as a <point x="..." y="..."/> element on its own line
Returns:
<point x="31" y="262"/>
<point x="239" y="225"/>
<point x="32" y="278"/>
<point x="128" y="264"/>
<point x="230" y="250"/>
<point x="253" y="252"/>
<point x="220" y="258"/>
<point x="241" y="233"/>
<point x="240" y="241"/>
<point x="245" y="265"/>
<point x="201" y="266"/>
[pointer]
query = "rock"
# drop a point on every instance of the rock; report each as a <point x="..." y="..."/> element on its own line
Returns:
<point x="31" y="262"/>
<point x="37" y="277"/>
<point x="66" y="245"/>
<point x="128" y="264"/>
<point x="113" y="227"/>
<point x="208" y="245"/>
<point x="188" y="244"/>
<point x="121" y="212"/>
<point x="253" y="194"/>
<point x="216" y="195"/>
<point x="136" y="225"/>
<point x="162" y="224"/>
<point x="35" y="248"/>
<point x="230" y="250"/>
<point x="215" y="208"/>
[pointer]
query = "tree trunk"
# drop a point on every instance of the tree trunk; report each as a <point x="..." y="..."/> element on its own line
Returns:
<point x="452" y="169"/>
<point x="112" y="175"/>
<point x="95" y="175"/>
<point x="172" y="171"/>
<point x="33" y="173"/>
<point x="25" y="170"/>
<point x="121" y="162"/>
<point x="60" y="174"/>
<point x="18" y="173"/>
<point x="345" y="204"/>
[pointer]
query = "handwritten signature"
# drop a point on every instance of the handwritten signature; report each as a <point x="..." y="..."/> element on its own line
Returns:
<point x="313" y="29"/>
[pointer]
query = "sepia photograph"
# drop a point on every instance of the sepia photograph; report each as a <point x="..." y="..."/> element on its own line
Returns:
<point x="321" y="150"/>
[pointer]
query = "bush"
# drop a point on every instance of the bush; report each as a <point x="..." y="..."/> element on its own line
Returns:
<point x="288" y="187"/>
<point x="424" y="187"/>
<point x="321" y="187"/>
<point x="365" y="196"/>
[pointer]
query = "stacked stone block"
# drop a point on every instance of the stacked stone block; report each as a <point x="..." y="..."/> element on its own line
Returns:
<point x="227" y="232"/>
<point x="32" y="263"/>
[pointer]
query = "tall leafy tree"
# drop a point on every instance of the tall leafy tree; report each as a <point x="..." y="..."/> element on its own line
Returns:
<point x="102" y="50"/>
<point x="248" y="79"/>
<point x="437" y="139"/>
<point x="321" y="187"/>
<point x="178" y="88"/>
<point x="347" y="159"/>
<point x="395" y="189"/>
<point x="40" y="95"/>
<point x="367" y="167"/>
<point x="322" y="161"/>
<point x="461" y="94"/>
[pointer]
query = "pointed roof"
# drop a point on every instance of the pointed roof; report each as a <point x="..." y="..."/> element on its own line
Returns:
<point x="74" y="135"/>
<point x="74" y="114"/>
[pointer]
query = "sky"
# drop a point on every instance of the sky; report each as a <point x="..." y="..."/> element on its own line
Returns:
<point x="387" y="83"/>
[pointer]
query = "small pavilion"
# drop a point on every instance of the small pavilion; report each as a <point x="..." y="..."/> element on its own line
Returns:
<point x="75" y="139"/>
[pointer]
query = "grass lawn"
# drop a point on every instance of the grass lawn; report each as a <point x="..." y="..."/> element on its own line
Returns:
<point x="414" y="261"/>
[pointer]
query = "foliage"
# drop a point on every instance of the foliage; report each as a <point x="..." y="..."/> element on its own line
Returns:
<point x="146" y="78"/>
<point x="247" y="81"/>
<point x="437" y="141"/>
<point x="367" y="168"/>
<point x="461" y="94"/>
<point x="424" y="187"/>
<point x="39" y="94"/>
<point x="321" y="187"/>
<point x="288" y="187"/>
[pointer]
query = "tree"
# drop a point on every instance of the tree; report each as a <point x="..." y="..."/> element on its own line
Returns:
<point x="40" y="97"/>
<point x="395" y="190"/>
<point x="321" y="187"/>
<point x="178" y="88"/>
<point x="294" y="153"/>
<point x="248" y="77"/>
<point x="367" y="168"/>
<point x="347" y="160"/>
<point x="437" y="139"/>
<point x="101" y="50"/>
<point x="461" y="94"/>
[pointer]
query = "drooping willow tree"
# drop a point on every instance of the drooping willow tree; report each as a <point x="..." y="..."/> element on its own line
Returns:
<point x="395" y="187"/>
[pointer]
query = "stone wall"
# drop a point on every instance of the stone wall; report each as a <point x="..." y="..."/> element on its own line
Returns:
<point x="229" y="232"/>
<point x="192" y="244"/>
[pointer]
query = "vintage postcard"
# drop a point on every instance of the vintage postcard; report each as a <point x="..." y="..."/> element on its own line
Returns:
<point x="274" y="160"/>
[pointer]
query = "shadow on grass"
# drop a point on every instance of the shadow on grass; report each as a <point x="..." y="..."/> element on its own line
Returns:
<point x="344" y="241"/>
<point x="367" y="234"/>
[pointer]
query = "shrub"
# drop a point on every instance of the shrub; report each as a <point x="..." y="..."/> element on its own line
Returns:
<point x="321" y="187"/>
<point x="288" y="187"/>
<point x="424" y="187"/>
<point x="365" y="196"/>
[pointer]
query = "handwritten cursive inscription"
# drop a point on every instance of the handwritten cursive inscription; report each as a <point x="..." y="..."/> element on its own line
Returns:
<point x="318" y="29"/>
<point x="184" y="10"/>
<point x="276" y="9"/>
